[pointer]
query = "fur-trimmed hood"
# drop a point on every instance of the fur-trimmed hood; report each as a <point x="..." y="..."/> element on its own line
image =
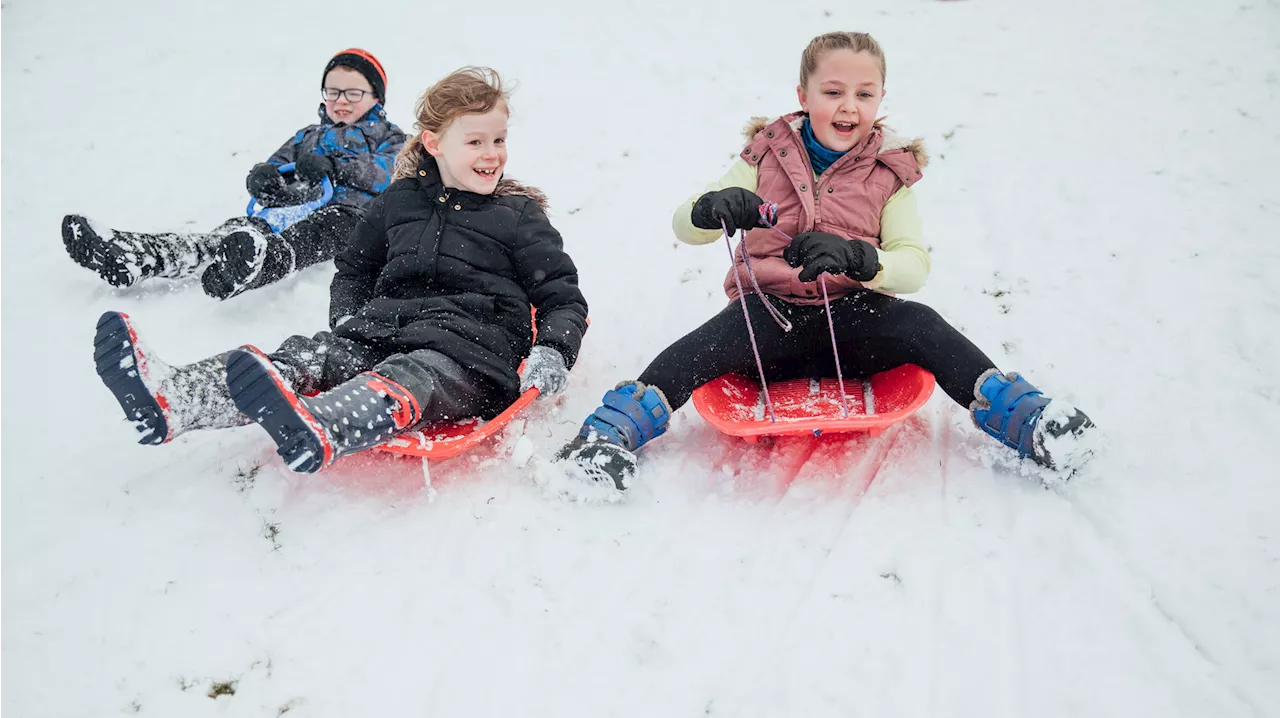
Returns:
<point x="428" y="170"/>
<point x="513" y="188"/>
<point x="892" y="140"/>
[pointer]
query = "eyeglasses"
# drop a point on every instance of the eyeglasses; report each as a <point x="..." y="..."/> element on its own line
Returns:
<point x="331" y="94"/>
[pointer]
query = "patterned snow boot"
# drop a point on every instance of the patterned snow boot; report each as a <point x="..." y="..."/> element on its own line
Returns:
<point x="1051" y="432"/>
<point x="631" y="416"/>
<point x="245" y="260"/>
<point x="161" y="400"/>
<point x="126" y="258"/>
<point x="311" y="432"/>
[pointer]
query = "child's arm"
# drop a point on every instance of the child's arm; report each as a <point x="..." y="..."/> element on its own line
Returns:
<point x="740" y="174"/>
<point x="369" y="171"/>
<point x="902" y="253"/>
<point x="288" y="152"/>
<point x="549" y="277"/>
<point x="358" y="266"/>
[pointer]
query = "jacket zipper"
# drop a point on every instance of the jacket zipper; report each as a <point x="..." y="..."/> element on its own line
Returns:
<point x="435" y="244"/>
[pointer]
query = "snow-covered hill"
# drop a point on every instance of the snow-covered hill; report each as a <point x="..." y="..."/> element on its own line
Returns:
<point x="1102" y="208"/>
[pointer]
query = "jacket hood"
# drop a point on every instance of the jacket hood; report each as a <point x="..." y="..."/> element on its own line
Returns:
<point x="428" y="170"/>
<point x="892" y="140"/>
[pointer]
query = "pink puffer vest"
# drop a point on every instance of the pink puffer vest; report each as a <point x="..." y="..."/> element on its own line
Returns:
<point x="846" y="200"/>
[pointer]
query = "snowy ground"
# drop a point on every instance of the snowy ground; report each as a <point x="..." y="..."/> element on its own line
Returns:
<point x="1102" y="209"/>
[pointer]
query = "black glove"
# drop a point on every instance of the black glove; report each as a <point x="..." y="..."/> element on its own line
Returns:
<point x="820" y="252"/>
<point x="312" y="168"/>
<point x="264" y="181"/>
<point x="738" y="208"/>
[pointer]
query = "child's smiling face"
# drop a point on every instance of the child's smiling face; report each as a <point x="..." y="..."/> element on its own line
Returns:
<point x="343" y="109"/>
<point x="843" y="97"/>
<point x="472" y="150"/>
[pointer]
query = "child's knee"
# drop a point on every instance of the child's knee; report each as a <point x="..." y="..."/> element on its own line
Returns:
<point x="914" y="320"/>
<point x="443" y="388"/>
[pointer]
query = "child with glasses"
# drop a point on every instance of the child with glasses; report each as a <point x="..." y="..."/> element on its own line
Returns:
<point x="354" y="146"/>
<point x="429" y="310"/>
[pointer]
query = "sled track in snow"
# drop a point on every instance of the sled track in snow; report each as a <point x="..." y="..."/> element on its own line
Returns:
<point x="941" y="441"/>
<point x="755" y="659"/>
<point x="1185" y="633"/>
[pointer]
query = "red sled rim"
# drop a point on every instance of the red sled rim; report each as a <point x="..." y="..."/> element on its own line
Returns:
<point x="445" y="441"/>
<point x="735" y="405"/>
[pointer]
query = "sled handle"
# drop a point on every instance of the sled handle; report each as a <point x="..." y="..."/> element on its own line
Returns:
<point x="326" y="192"/>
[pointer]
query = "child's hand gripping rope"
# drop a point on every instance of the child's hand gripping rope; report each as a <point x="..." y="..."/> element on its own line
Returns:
<point x="820" y="252"/>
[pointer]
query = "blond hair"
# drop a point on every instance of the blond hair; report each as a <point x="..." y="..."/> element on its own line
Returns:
<point x="822" y="44"/>
<point x="465" y="91"/>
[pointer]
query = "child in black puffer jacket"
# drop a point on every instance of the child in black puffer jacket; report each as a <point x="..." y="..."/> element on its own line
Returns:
<point x="429" y="314"/>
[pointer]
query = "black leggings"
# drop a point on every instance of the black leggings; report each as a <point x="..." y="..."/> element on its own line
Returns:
<point x="875" y="332"/>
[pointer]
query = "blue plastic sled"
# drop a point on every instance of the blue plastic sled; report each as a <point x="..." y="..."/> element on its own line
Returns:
<point x="281" y="218"/>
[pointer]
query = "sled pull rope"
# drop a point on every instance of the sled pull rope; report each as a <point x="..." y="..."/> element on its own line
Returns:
<point x="768" y="213"/>
<point x="778" y="317"/>
<point x="751" y="333"/>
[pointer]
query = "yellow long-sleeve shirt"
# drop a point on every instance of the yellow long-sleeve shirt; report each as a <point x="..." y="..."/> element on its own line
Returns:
<point x="903" y="257"/>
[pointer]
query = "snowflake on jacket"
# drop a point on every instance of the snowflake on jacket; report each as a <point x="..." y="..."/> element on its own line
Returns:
<point x="363" y="153"/>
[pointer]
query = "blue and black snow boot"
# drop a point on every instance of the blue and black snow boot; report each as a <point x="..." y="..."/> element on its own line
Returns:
<point x="1050" y="432"/>
<point x="631" y="416"/>
<point x="314" y="431"/>
<point x="162" y="401"/>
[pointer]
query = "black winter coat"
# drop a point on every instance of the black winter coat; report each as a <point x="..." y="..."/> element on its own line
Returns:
<point x="432" y="267"/>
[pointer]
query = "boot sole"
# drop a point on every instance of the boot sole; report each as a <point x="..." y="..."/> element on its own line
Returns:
<point x="90" y="251"/>
<point x="262" y="394"/>
<point x="1074" y="447"/>
<point x="600" y="461"/>
<point x="123" y="368"/>
<point x="238" y="249"/>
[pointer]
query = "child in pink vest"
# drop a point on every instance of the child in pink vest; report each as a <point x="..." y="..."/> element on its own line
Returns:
<point x="842" y="185"/>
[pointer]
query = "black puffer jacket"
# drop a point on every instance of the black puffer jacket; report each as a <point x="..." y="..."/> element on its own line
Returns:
<point x="431" y="267"/>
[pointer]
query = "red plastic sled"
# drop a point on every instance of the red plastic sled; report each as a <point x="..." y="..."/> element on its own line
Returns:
<point x="735" y="405"/>
<point x="444" y="441"/>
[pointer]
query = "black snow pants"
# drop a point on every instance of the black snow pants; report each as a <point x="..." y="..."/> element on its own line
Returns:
<point x="320" y="236"/>
<point x="443" y="388"/>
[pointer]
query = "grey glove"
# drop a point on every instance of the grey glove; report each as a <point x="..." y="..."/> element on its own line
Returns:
<point x="546" y="370"/>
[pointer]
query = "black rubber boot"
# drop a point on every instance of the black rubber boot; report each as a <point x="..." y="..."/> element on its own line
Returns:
<point x="161" y="400"/>
<point x="313" y="432"/>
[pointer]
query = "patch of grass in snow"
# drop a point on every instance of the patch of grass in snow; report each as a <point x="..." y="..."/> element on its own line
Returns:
<point x="269" y="532"/>
<point x="245" y="477"/>
<point x="222" y="688"/>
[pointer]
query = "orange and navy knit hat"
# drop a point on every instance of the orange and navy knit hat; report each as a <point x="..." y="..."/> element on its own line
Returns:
<point x="363" y="62"/>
